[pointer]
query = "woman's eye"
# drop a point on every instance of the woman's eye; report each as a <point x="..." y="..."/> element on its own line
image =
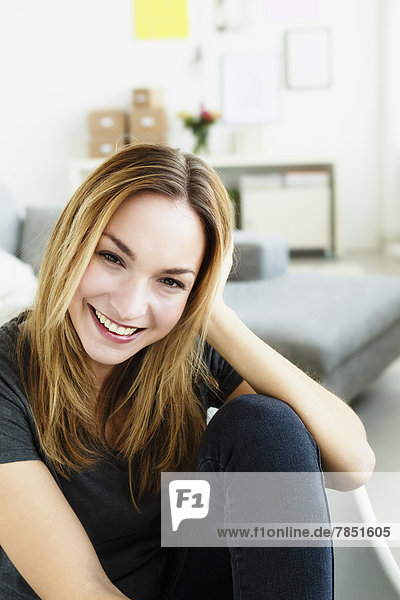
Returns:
<point x="110" y="257"/>
<point x="173" y="283"/>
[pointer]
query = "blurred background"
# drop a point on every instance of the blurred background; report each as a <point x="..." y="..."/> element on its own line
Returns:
<point x="62" y="60"/>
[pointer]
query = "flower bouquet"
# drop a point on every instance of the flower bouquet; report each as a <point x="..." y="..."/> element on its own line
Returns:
<point x="200" y="126"/>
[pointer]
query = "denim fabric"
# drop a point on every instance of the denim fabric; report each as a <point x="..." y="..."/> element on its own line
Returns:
<point x="254" y="433"/>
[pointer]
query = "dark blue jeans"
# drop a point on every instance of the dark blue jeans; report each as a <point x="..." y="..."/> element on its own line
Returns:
<point x="254" y="433"/>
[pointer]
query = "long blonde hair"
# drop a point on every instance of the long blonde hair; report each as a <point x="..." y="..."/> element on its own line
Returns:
<point x="158" y="385"/>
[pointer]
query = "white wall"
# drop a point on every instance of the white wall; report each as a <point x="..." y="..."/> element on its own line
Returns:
<point x="390" y="120"/>
<point x="61" y="59"/>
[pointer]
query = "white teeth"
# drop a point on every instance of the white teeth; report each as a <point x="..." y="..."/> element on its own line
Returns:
<point x="100" y="317"/>
<point x="113" y="327"/>
<point x="128" y="331"/>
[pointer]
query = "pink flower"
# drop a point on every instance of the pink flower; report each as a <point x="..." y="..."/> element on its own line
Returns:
<point x="206" y="115"/>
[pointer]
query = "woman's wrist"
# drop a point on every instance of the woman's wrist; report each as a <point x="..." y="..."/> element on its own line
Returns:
<point x="221" y="318"/>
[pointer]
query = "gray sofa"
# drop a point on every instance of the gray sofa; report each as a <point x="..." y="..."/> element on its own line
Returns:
<point x="343" y="329"/>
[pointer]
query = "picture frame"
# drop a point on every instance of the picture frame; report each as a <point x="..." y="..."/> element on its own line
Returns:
<point x="251" y="88"/>
<point x="308" y="62"/>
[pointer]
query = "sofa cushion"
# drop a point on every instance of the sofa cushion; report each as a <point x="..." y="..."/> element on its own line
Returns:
<point x="9" y="222"/>
<point x="325" y="322"/>
<point x="259" y="256"/>
<point x="17" y="287"/>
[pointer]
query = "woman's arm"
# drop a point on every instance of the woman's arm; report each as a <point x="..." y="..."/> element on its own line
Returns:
<point x="335" y="427"/>
<point x="45" y="540"/>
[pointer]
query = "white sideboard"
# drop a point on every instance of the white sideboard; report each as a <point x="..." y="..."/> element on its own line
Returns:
<point x="293" y="197"/>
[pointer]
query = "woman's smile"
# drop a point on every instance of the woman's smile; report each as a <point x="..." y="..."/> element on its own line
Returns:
<point x="114" y="331"/>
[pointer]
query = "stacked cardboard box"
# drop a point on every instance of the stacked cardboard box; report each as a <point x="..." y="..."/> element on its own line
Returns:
<point x="108" y="129"/>
<point x="147" y="120"/>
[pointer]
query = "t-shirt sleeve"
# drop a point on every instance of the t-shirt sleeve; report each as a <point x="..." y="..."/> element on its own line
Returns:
<point x="226" y="376"/>
<point x="17" y="441"/>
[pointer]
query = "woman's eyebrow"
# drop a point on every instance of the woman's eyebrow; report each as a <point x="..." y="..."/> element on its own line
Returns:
<point x="124" y="248"/>
<point x="178" y="271"/>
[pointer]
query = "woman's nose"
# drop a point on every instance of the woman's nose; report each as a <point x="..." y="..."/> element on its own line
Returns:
<point x="131" y="303"/>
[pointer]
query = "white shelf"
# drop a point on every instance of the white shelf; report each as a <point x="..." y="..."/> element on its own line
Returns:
<point x="246" y="160"/>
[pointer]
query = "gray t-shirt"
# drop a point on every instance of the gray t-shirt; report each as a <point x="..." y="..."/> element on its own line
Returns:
<point x="127" y="543"/>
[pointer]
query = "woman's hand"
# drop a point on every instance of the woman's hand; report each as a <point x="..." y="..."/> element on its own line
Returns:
<point x="219" y="310"/>
<point x="225" y="270"/>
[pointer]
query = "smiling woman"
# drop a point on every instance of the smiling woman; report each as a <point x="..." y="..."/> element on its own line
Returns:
<point x="105" y="384"/>
<point x="127" y="299"/>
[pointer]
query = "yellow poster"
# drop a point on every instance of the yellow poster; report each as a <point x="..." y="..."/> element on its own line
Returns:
<point x="160" y="19"/>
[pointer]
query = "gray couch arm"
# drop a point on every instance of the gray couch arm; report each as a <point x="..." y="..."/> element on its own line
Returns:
<point x="36" y="227"/>
<point x="10" y="222"/>
<point x="259" y="256"/>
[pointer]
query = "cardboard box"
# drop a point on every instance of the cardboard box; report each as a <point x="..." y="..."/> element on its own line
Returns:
<point x="105" y="145"/>
<point x="152" y="137"/>
<point x="148" y="125"/>
<point x="147" y="98"/>
<point x="107" y="122"/>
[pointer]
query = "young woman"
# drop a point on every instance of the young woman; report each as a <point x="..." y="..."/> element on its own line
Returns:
<point x="105" y="382"/>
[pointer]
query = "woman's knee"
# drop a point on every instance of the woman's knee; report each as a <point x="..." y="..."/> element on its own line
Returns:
<point x="253" y="414"/>
<point x="266" y="431"/>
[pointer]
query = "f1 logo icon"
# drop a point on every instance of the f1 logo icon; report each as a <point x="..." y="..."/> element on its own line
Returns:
<point x="188" y="499"/>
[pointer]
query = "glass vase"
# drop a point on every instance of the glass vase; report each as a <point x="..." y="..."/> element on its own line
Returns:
<point x="201" y="141"/>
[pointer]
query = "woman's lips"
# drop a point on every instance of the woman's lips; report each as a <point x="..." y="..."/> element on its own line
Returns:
<point x="115" y="337"/>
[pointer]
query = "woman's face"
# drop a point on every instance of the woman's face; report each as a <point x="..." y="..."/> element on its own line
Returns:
<point x="137" y="283"/>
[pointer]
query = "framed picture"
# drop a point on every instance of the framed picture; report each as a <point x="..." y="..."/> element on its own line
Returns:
<point x="308" y="59"/>
<point x="250" y="88"/>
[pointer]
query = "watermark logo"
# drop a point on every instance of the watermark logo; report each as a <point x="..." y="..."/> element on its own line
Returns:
<point x="188" y="499"/>
<point x="278" y="509"/>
